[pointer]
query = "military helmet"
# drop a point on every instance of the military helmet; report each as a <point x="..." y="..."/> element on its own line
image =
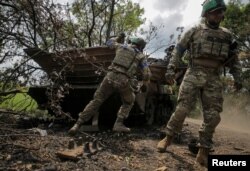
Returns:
<point x="211" y="5"/>
<point x="138" y="41"/>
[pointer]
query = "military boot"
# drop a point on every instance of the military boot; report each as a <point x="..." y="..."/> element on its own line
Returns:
<point x="119" y="126"/>
<point x="202" y="156"/>
<point x="75" y="128"/>
<point x="164" y="143"/>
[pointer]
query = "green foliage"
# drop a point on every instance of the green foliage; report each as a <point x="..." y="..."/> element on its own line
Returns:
<point x="96" y="21"/>
<point x="129" y="17"/>
<point x="237" y="19"/>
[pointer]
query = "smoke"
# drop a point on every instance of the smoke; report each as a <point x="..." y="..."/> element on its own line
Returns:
<point x="236" y="112"/>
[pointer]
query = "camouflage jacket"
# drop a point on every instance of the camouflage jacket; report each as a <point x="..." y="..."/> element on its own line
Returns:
<point x="128" y="60"/>
<point x="210" y="47"/>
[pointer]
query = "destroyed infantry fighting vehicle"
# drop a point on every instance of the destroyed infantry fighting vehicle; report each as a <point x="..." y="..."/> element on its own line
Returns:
<point x="83" y="70"/>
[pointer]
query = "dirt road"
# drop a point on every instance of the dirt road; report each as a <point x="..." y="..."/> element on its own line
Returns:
<point x="22" y="149"/>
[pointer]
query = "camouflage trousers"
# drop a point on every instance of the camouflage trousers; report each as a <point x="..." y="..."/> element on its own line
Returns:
<point x="112" y="82"/>
<point x="205" y="84"/>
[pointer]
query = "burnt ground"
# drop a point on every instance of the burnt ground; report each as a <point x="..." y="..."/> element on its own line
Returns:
<point x="25" y="149"/>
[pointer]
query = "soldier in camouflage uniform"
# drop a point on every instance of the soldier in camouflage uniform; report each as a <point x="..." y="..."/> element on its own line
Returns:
<point x="211" y="47"/>
<point x="128" y="59"/>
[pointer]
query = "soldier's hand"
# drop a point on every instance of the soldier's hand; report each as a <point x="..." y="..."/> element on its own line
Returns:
<point x="170" y="76"/>
<point x="237" y="86"/>
<point x="121" y="37"/>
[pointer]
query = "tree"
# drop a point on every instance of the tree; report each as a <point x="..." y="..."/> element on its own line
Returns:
<point x="54" y="27"/>
<point x="237" y="19"/>
<point x="44" y="25"/>
<point x="96" y="20"/>
<point x="26" y="24"/>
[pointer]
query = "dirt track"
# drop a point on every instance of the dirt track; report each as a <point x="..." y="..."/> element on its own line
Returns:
<point x="21" y="149"/>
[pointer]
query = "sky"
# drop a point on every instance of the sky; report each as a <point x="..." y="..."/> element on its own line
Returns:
<point x="171" y="14"/>
<point x="167" y="15"/>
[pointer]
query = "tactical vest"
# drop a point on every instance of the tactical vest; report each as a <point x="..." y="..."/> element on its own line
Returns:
<point x="210" y="43"/>
<point x="127" y="60"/>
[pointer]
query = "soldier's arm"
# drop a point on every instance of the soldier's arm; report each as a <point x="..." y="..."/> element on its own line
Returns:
<point x="112" y="43"/>
<point x="182" y="45"/>
<point x="116" y="41"/>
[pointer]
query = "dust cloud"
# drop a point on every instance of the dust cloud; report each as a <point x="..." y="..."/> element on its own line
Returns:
<point x="236" y="112"/>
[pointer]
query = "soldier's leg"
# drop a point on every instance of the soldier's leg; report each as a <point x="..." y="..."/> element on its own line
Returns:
<point x="102" y="93"/>
<point x="186" y="100"/>
<point x="128" y="99"/>
<point x="212" y="101"/>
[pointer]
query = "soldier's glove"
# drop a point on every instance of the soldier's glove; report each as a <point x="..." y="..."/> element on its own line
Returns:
<point x="237" y="86"/>
<point x="170" y="76"/>
<point x="121" y="37"/>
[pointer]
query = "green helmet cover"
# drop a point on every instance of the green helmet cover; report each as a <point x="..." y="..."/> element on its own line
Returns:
<point x="210" y="5"/>
<point x="138" y="41"/>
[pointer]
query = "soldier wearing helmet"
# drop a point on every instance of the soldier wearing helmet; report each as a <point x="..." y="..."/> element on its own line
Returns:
<point x="210" y="47"/>
<point x="128" y="59"/>
<point x="138" y="42"/>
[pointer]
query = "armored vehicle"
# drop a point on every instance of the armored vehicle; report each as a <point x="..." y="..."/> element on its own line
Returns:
<point x="84" y="69"/>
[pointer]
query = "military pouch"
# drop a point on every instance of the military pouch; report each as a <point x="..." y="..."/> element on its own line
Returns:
<point x="215" y="47"/>
<point x="211" y="44"/>
<point x="124" y="57"/>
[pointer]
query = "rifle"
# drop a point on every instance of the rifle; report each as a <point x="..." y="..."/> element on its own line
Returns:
<point x="232" y="48"/>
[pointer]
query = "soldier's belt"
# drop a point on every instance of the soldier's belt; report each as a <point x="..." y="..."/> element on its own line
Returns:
<point x="119" y="72"/>
<point x="208" y="63"/>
